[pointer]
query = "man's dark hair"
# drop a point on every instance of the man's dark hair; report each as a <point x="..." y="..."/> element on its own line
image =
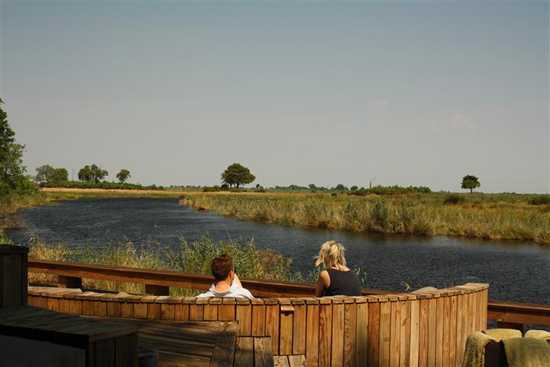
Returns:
<point x="221" y="266"/>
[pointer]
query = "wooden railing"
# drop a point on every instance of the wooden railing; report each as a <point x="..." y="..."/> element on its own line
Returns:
<point x="158" y="283"/>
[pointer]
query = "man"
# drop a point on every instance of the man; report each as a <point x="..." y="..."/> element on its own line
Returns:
<point x="226" y="282"/>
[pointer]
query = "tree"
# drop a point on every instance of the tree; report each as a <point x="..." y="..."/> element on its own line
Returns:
<point x="470" y="182"/>
<point x="340" y="187"/>
<point x="51" y="175"/>
<point x="92" y="173"/>
<point x="123" y="175"/>
<point x="12" y="172"/>
<point x="236" y="174"/>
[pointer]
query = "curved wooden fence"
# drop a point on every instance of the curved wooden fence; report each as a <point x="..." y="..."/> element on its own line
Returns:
<point x="426" y="329"/>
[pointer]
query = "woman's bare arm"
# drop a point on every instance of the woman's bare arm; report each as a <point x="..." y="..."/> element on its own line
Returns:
<point x="322" y="283"/>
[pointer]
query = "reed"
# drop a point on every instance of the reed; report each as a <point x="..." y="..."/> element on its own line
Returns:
<point x="193" y="257"/>
<point x="485" y="216"/>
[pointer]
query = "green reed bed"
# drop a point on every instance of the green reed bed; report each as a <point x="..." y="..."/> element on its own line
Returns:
<point x="486" y="216"/>
<point x="191" y="257"/>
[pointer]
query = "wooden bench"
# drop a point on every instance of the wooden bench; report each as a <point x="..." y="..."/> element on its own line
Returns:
<point x="34" y="336"/>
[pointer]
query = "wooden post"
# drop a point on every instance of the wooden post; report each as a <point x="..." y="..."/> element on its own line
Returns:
<point x="13" y="275"/>
<point x="157" y="290"/>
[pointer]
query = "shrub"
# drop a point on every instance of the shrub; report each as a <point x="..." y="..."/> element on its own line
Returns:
<point x="540" y="200"/>
<point x="454" y="199"/>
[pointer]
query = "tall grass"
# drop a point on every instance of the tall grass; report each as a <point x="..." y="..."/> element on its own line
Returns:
<point x="192" y="257"/>
<point x="486" y="216"/>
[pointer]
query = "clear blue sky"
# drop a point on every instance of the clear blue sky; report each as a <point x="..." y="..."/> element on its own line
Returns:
<point x="412" y="93"/>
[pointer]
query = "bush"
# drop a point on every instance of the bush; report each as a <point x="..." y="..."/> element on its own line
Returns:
<point x="454" y="199"/>
<point x="540" y="200"/>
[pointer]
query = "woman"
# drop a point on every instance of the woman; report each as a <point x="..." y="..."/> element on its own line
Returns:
<point x="337" y="278"/>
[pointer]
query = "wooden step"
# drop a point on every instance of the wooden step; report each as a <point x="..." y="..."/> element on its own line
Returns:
<point x="253" y="352"/>
<point x="297" y="360"/>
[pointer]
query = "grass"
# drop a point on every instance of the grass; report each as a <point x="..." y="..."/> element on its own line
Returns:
<point x="485" y="216"/>
<point x="193" y="257"/>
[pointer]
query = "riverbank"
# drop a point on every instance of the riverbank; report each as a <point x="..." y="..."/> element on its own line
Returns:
<point x="484" y="216"/>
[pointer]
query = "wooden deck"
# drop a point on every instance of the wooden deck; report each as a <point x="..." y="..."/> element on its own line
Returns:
<point x="166" y="343"/>
<point x="172" y="344"/>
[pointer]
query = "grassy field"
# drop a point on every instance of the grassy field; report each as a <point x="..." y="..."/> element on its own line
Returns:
<point x="485" y="216"/>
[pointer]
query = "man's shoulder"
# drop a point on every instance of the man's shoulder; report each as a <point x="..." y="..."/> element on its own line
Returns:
<point x="240" y="292"/>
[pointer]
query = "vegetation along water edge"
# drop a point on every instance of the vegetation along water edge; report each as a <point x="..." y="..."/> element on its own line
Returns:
<point x="477" y="215"/>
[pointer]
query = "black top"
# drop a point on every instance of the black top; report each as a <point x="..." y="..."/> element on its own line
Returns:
<point x="342" y="283"/>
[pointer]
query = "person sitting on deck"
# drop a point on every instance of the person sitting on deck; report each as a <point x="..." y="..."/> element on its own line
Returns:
<point x="337" y="278"/>
<point x="226" y="282"/>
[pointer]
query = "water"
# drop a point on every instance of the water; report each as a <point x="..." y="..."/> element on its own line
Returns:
<point x="516" y="271"/>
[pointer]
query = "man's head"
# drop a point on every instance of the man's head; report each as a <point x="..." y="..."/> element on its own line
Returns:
<point x="222" y="268"/>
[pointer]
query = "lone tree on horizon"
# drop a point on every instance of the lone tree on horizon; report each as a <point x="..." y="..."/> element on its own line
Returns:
<point x="470" y="182"/>
<point x="123" y="175"/>
<point x="237" y="174"/>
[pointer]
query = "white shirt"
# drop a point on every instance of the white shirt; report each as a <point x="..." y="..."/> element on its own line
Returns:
<point x="234" y="291"/>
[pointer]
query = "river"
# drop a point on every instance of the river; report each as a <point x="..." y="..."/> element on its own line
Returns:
<point x="516" y="271"/>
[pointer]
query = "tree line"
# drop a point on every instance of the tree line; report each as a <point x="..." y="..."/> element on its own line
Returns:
<point x="48" y="175"/>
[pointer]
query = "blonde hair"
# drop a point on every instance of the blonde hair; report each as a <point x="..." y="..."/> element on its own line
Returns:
<point x="331" y="254"/>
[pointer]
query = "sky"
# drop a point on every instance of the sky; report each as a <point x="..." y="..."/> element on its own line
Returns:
<point x="405" y="93"/>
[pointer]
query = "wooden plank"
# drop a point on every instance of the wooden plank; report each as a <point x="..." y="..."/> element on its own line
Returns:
<point x="432" y="332"/>
<point x="127" y="310"/>
<point x="181" y="312"/>
<point x="361" y="338"/>
<point x="395" y="333"/>
<point x="415" y="334"/>
<point x="279" y="361"/>
<point x="210" y="312"/>
<point x="224" y="351"/>
<point x="258" y="319"/>
<point x="272" y="325"/>
<point x="297" y="360"/>
<point x="385" y="335"/>
<point x="476" y="311"/>
<point x="104" y="353"/>
<point x="196" y="312"/>
<point x="244" y="316"/>
<point x="350" y="334"/>
<point x="167" y="311"/>
<point x="312" y="334"/>
<point x="153" y="311"/>
<point x="299" y="327"/>
<point x="325" y="331"/>
<point x="244" y="355"/>
<point x="446" y="318"/>
<point x="125" y="350"/>
<point x="337" y="354"/>
<point x="263" y="356"/>
<point x="452" y="331"/>
<point x="440" y="309"/>
<point x="405" y="334"/>
<point x="140" y="310"/>
<point x="373" y="355"/>
<point x="285" y="332"/>
<point x="113" y="308"/>
<point x="460" y="337"/>
<point x="226" y="311"/>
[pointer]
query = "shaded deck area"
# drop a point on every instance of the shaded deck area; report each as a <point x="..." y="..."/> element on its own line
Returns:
<point x="83" y="341"/>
